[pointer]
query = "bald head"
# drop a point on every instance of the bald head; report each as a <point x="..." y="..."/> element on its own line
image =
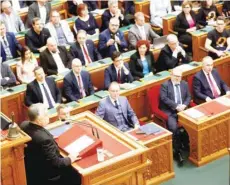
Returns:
<point x="172" y="41"/>
<point x="114" y="24"/>
<point x="139" y="18"/>
<point x="6" y="7"/>
<point x="176" y="75"/>
<point x="51" y="44"/>
<point x="207" y="64"/>
<point x="76" y="66"/>
<point x="114" y="90"/>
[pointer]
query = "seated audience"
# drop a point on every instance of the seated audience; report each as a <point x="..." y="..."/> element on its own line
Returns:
<point x="12" y="20"/>
<point x="73" y="4"/>
<point x="7" y="76"/>
<point x="59" y="29"/>
<point x="63" y="112"/>
<point x="140" y="31"/>
<point x="43" y="161"/>
<point x="116" y="110"/>
<point x="41" y="9"/>
<point x="25" y="67"/>
<point x="185" y="24"/>
<point x="42" y="90"/>
<point x="175" y="97"/>
<point x="218" y="40"/>
<point x="207" y="14"/>
<point x="55" y="59"/>
<point x="113" y="11"/>
<point x="10" y="47"/>
<point x="171" y="55"/>
<point x="112" y="39"/>
<point x="159" y="9"/>
<point x="118" y="71"/>
<point x="84" y="49"/>
<point x="207" y="84"/>
<point x="37" y="36"/>
<point x="86" y="21"/>
<point x="77" y="83"/>
<point x="142" y="62"/>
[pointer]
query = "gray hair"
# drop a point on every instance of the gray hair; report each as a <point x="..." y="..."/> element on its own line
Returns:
<point x="172" y="38"/>
<point x="112" y="2"/>
<point x="36" y="110"/>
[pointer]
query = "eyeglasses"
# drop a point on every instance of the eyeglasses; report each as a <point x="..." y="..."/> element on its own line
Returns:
<point x="115" y="25"/>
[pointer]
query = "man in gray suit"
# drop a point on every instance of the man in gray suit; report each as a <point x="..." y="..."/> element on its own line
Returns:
<point x="116" y="110"/>
<point x="140" y="31"/>
<point x="7" y="76"/>
<point x="12" y="20"/>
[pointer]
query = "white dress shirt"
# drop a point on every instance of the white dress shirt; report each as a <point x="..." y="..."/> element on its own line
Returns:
<point x="86" y="60"/>
<point x="142" y="31"/>
<point x="175" y="93"/>
<point x="80" y="84"/>
<point x="60" y="66"/>
<point x="45" y="101"/>
<point x="43" y="13"/>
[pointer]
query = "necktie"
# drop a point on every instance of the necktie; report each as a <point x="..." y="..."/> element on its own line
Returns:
<point x="4" y="40"/>
<point x="213" y="88"/>
<point x="80" y="87"/>
<point x="178" y="97"/>
<point x="47" y="97"/>
<point x="86" y="54"/>
<point x="119" y="76"/>
<point x="116" y="105"/>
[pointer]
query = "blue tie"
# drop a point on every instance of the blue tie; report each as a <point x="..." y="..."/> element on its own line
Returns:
<point x="47" y="97"/>
<point x="178" y="94"/>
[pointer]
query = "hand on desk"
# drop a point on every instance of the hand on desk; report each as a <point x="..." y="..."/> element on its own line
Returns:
<point x="208" y="99"/>
<point x="74" y="158"/>
<point x="228" y="92"/>
<point x="180" y="107"/>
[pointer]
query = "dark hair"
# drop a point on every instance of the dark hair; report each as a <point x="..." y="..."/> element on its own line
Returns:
<point x="37" y="68"/>
<point x="185" y="3"/>
<point x="143" y="42"/>
<point x="81" y="7"/>
<point x="35" y="20"/>
<point x="220" y="18"/>
<point x="23" y="53"/>
<point x="115" y="55"/>
<point x="204" y="4"/>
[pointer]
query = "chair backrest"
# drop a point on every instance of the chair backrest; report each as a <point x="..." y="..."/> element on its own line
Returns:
<point x="190" y="86"/>
<point x="153" y="97"/>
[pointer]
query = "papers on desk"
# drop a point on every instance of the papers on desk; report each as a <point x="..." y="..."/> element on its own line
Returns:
<point x="98" y="11"/>
<point x="223" y="101"/>
<point x="185" y="67"/>
<point x="60" y="130"/>
<point x="150" y="129"/>
<point x="193" y="113"/>
<point x="127" y="86"/>
<point x="78" y="145"/>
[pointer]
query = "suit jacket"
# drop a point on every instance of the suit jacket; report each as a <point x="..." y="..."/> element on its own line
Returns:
<point x="167" y="97"/>
<point x="34" y="94"/>
<point x="14" y="46"/>
<point x="42" y="157"/>
<point x="34" y="12"/>
<point x="166" y="61"/>
<point x="202" y="89"/>
<point x="110" y="75"/>
<point x="107" y="111"/>
<point x="136" y="66"/>
<point x="17" y="22"/>
<point x="77" y="52"/>
<point x="106" y="51"/>
<point x="71" y="88"/>
<point x="49" y="65"/>
<point x="66" y="30"/>
<point x="35" y="41"/>
<point x="7" y="72"/>
<point x="134" y="35"/>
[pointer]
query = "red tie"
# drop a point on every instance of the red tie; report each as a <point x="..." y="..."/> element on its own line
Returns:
<point x="119" y="76"/>
<point x="80" y="87"/>
<point x="213" y="88"/>
<point x="86" y="54"/>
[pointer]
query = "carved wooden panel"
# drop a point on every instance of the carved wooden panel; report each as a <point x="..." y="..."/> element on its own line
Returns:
<point x="129" y="179"/>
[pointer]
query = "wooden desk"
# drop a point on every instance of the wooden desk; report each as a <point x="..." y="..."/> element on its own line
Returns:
<point x="12" y="160"/>
<point x="208" y="135"/>
<point x="128" y="164"/>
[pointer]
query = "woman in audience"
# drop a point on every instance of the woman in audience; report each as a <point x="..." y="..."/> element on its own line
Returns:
<point x="207" y="14"/>
<point x="86" y="21"/>
<point x="185" y="23"/>
<point x="26" y="66"/>
<point x="142" y="62"/>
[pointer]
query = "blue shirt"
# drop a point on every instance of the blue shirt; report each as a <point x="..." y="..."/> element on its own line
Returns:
<point x="145" y="67"/>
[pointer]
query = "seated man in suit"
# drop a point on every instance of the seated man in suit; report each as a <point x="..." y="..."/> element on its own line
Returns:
<point x="84" y="49"/>
<point x="207" y="83"/>
<point x="171" y="55"/>
<point x="174" y="97"/>
<point x="7" y="76"/>
<point x="116" y="110"/>
<point x="118" y="71"/>
<point x="42" y="90"/>
<point x="112" y="39"/>
<point x="10" y="47"/>
<point x="218" y="40"/>
<point x="140" y="31"/>
<point x="55" y="59"/>
<point x="77" y="83"/>
<point x="59" y="29"/>
<point x="11" y="18"/>
<point x="113" y="11"/>
<point x="63" y="112"/>
<point x="43" y="161"/>
<point x="37" y="36"/>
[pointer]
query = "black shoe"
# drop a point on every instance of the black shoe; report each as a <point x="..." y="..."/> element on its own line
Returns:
<point x="179" y="159"/>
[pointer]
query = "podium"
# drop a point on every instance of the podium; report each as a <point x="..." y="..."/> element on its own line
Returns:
<point x="127" y="163"/>
<point x="208" y="135"/>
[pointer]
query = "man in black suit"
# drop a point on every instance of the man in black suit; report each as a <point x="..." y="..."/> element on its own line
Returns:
<point x="42" y="90"/>
<point x="84" y="49"/>
<point x="77" y="83"/>
<point x="37" y="36"/>
<point x="174" y="97"/>
<point x="207" y="83"/>
<point x="118" y="71"/>
<point x="43" y="162"/>
<point x="55" y="59"/>
<point x="171" y="55"/>
<point x="7" y="76"/>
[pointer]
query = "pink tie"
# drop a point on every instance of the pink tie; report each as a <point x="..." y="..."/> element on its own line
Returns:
<point x="214" y="90"/>
<point x="86" y="54"/>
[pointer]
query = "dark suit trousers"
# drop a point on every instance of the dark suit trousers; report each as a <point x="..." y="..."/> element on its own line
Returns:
<point x="172" y="122"/>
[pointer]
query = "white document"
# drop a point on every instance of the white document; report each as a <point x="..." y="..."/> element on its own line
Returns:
<point x="98" y="11"/>
<point x="127" y="86"/>
<point x="185" y="67"/>
<point x="80" y="144"/>
<point x="193" y="113"/>
<point x="224" y="101"/>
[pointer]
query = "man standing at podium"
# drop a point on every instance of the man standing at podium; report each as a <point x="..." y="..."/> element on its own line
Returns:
<point x="116" y="110"/>
<point x="207" y="84"/>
